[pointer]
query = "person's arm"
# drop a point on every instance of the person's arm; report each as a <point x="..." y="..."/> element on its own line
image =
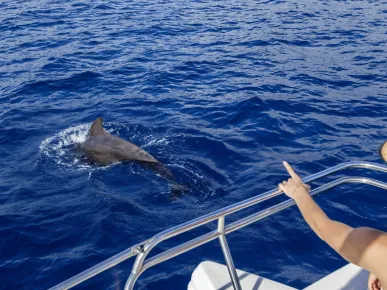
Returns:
<point x="364" y="247"/>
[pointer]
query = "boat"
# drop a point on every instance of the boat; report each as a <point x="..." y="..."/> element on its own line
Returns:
<point x="213" y="276"/>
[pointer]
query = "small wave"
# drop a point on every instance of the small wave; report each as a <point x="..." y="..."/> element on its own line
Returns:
<point x="163" y="141"/>
<point x="73" y="82"/>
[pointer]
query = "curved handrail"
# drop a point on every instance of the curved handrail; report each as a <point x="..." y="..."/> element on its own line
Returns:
<point x="138" y="264"/>
<point x="169" y="233"/>
<point x="144" y="248"/>
<point x="166" y="255"/>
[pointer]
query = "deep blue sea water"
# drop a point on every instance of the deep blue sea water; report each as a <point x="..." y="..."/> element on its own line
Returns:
<point x="220" y="91"/>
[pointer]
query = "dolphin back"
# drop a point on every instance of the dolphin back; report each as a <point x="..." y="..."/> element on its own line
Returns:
<point x="103" y="148"/>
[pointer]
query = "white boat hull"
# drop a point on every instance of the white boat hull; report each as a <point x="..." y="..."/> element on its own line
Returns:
<point x="213" y="276"/>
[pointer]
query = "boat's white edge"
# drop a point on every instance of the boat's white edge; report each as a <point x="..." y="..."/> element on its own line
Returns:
<point x="349" y="277"/>
<point x="213" y="276"/>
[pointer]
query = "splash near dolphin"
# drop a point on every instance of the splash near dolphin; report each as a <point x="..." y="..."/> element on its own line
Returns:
<point x="103" y="148"/>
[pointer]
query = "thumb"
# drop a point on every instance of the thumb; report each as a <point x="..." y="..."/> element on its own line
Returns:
<point x="281" y="186"/>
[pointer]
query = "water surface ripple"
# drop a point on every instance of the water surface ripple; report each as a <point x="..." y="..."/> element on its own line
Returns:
<point x="220" y="91"/>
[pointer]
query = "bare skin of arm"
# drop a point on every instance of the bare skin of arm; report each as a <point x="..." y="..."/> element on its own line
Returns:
<point x="365" y="247"/>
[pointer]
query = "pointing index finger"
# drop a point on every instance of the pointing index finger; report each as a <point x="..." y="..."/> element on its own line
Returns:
<point x="291" y="171"/>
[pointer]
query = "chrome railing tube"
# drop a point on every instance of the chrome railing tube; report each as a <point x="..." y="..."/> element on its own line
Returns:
<point x="227" y="256"/>
<point x="137" y="269"/>
<point x="178" y="250"/>
<point x="343" y="166"/>
<point x="283" y="205"/>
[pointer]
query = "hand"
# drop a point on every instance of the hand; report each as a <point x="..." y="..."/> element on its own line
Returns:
<point x="294" y="184"/>
<point x="373" y="283"/>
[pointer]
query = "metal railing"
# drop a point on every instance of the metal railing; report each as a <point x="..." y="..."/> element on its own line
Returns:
<point x="142" y="250"/>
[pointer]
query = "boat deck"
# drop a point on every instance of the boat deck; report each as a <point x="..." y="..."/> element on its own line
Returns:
<point x="213" y="276"/>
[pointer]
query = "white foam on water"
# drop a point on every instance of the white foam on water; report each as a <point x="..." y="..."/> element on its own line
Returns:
<point x="162" y="141"/>
<point x="61" y="148"/>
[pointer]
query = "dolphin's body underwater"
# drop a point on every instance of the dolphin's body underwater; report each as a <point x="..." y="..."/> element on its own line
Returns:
<point x="104" y="148"/>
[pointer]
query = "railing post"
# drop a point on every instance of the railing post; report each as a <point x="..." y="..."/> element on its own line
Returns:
<point x="137" y="268"/>
<point x="227" y="255"/>
<point x="136" y="272"/>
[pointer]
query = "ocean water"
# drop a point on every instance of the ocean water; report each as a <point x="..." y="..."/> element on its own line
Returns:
<point x="221" y="92"/>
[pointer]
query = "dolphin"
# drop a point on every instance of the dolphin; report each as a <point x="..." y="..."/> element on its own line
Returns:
<point x="104" y="148"/>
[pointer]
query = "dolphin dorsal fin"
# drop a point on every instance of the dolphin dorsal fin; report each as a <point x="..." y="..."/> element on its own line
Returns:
<point x="96" y="128"/>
